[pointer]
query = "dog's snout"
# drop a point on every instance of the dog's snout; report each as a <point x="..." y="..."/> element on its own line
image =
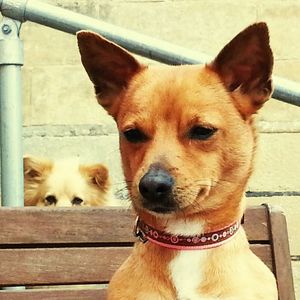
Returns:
<point x="156" y="185"/>
<point x="156" y="188"/>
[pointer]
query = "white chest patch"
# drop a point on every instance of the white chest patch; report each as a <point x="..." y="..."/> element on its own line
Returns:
<point x="186" y="268"/>
<point x="185" y="227"/>
<point x="187" y="273"/>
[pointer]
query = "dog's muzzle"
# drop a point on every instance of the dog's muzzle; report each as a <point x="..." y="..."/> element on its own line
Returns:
<point x="156" y="189"/>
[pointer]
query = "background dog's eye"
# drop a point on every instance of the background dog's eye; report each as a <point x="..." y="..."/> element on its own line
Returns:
<point x="51" y="200"/>
<point x="135" y="136"/>
<point x="77" y="201"/>
<point x="201" y="133"/>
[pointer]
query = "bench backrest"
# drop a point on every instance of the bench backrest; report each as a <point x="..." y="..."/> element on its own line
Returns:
<point x="68" y="246"/>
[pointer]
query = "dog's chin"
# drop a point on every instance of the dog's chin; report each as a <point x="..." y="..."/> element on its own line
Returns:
<point x="160" y="210"/>
<point x="156" y="209"/>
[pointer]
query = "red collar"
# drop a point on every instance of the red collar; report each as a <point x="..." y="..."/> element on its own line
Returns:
<point x="183" y="242"/>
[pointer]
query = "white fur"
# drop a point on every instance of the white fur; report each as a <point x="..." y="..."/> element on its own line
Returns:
<point x="186" y="273"/>
<point x="184" y="227"/>
<point x="186" y="267"/>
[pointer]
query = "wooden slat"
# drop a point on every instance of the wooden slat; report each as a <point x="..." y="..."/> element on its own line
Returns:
<point x="75" y="265"/>
<point x="55" y="294"/>
<point x="281" y="254"/>
<point x="31" y="225"/>
<point x="59" y="265"/>
<point x="264" y="252"/>
<point x="45" y="225"/>
<point x="256" y="223"/>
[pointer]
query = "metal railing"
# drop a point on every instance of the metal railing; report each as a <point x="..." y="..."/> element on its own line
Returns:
<point x="11" y="52"/>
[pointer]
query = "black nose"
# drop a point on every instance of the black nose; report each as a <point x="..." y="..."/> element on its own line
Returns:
<point x="156" y="187"/>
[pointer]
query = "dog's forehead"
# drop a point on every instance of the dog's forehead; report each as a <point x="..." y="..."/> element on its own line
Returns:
<point x="185" y="91"/>
<point x="65" y="178"/>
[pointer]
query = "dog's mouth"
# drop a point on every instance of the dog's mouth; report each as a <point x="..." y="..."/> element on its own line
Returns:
<point x="161" y="208"/>
<point x="187" y="201"/>
<point x="159" y="193"/>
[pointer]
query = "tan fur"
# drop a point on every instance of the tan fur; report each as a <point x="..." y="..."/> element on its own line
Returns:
<point x="65" y="180"/>
<point x="165" y="103"/>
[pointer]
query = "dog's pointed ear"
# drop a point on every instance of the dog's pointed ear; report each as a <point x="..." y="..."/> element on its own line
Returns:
<point x="98" y="175"/>
<point x="35" y="168"/>
<point x="245" y="67"/>
<point x="109" y="67"/>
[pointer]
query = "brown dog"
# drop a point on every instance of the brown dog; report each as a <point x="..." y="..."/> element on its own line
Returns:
<point x="187" y="143"/>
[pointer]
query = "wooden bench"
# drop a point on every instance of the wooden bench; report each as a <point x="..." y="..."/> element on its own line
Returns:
<point x="67" y="246"/>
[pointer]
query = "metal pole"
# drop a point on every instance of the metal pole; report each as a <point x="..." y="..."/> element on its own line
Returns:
<point x="286" y="90"/>
<point x="70" y="22"/>
<point x="11" y="60"/>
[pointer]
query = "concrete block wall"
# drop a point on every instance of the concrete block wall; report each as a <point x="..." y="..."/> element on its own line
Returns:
<point x="62" y="118"/>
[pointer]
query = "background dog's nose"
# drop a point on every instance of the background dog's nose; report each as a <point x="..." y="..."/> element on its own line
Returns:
<point x="156" y="185"/>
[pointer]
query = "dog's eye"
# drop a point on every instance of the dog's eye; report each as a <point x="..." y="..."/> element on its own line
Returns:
<point x="51" y="200"/>
<point x="77" y="201"/>
<point x="201" y="133"/>
<point x="135" y="136"/>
